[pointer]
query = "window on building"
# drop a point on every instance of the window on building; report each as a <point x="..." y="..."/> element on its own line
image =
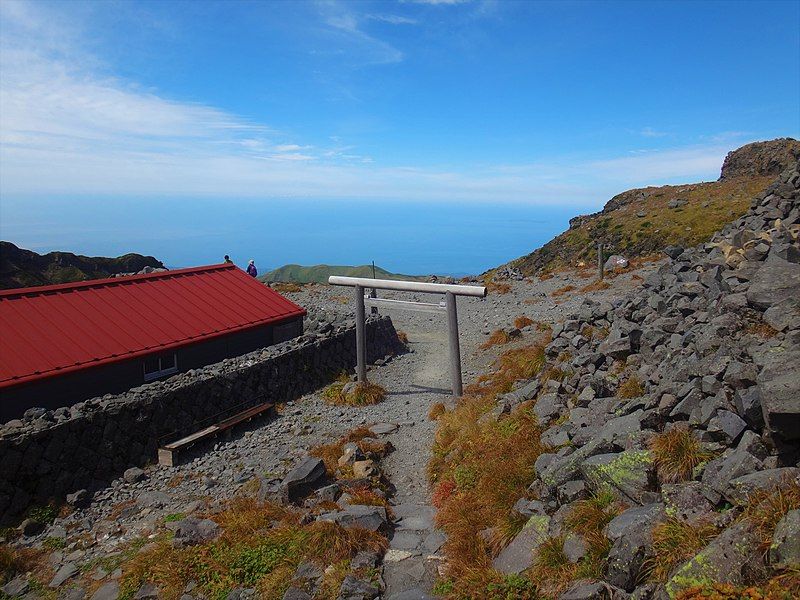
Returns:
<point x="159" y="366"/>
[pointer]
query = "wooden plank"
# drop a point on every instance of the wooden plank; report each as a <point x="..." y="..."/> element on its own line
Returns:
<point x="197" y="435"/>
<point x="166" y="454"/>
<point x="244" y="415"/>
<point x="425" y="307"/>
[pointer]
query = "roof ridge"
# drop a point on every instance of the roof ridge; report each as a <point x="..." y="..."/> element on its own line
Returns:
<point x="111" y="281"/>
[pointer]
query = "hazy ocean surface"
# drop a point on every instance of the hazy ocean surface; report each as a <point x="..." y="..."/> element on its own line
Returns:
<point x="403" y="237"/>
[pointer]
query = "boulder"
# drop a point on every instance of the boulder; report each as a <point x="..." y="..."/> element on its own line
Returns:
<point x="372" y="518"/>
<point x="592" y="590"/>
<point x="630" y="474"/>
<point x="304" y="477"/>
<point x="192" y="531"/>
<point x="66" y="571"/>
<point x="729" y="558"/>
<point x="107" y="591"/>
<point x="630" y="534"/>
<point x="364" y="469"/>
<point x="79" y="499"/>
<point x="518" y="555"/>
<point x="353" y="588"/>
<point x="133" y="475"/>
<point x="687" y="502"/>
<point x="777" y="280"/>
<point x="16" y="587"/>
<point x="784" y="315"/>
<point x="295" y="593"/>
<point x="779" y="390"/>
<point x="785" y="548"/>
<point x="615" y="261"/>
<point x="741" y="488"/>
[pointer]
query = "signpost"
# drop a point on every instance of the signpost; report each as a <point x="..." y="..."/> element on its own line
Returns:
<point x="447" y="306"/>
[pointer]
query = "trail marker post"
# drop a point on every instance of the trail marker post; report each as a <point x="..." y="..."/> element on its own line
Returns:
<point x="448" y="306"/>
<point x="600" y="259"/>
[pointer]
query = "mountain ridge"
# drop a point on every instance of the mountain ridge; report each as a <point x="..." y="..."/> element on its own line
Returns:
<point x="642" y="221"/>
<point x="295" y="273"/>
<point x="25" y="268"/>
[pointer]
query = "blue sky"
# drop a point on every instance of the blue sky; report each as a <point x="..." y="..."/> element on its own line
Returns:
<point x="550" y="104"/>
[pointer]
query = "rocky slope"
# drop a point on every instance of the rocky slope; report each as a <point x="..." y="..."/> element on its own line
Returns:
<point x="24" y="268"/>
<point x="671" y="427"/>
<point x="642" y="221"/>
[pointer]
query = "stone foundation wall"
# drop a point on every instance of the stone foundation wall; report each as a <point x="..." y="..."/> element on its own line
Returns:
<point x="52" y="453"/>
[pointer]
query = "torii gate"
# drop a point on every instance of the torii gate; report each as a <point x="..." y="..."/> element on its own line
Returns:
<point x="448" y="305"/>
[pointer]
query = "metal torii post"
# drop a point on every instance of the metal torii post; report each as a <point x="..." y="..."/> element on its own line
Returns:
<point x="449" y="306"/>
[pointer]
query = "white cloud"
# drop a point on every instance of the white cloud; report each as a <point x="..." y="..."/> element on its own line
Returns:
<point x="440" y="2"/>
<point x="652" y="133"/>
<point x="392" y="19"/>
<point x="69" y="128"/>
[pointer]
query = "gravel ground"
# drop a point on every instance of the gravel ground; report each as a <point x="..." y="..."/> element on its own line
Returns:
<point x="272" y="445"/>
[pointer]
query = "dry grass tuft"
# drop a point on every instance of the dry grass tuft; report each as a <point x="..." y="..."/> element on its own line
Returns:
<point x="562" y="290"/>
<point x="496" y="287"/>
<point x="761" y="329"/>
<point x="551" y="569"/>
<point x="403" y="337"/>
<point x="545" y="276"/>
<point x="362" y="394"/>
<point x="436" y="411"/>
<point x="498" y="338"/>
<point x="286" y="287"/>
<point x="596" y="286"/>
<point x="783" y="586"/>
<point x="676" y="541"/>
<point x="260" y="547"/>
<point x="478" y="470"/>
<point x="632" y="387"/>
<point x="522" y="322"/>
<point x="17" y="560"/>
<point x="676" y="454"/>
<point x="766" y="507"/>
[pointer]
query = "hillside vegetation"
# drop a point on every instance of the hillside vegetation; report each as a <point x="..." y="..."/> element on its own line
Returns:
<point x="320" y="273"/>
<point x="25" y="268"/>
<point x="645" y="220"/>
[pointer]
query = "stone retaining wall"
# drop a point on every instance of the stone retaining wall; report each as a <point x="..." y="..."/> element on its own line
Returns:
<point x="52" y="453"/>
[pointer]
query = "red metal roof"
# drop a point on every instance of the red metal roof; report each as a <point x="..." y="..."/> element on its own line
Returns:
<point x="49" y="330"/>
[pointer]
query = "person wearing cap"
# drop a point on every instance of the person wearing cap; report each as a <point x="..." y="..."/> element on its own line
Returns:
<point x="251" y="268"/>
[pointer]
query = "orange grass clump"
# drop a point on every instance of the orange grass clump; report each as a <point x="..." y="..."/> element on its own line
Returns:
<point x="522" y="322"/>
<point x="766" y="507"/>
<point x="631" y="388"/>
<point x="496" y="287"/>
<point x="676" y="541"/>
<point x="596" y="286"/>
<point x="261" y="546"/>
<point x="286" y="287"/>
<point x="436" y="410"/>
<point x="562" y="290"/>
<point x="403" y="337"/>
<point x="676" y="453"/>
<point x="498" y="338"/>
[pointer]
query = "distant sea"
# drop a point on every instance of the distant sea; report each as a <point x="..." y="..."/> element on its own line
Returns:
<point x="448" y="238"/>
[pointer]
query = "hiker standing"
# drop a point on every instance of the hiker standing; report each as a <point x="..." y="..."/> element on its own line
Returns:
<point x="251" y="269"/>
<point x="228" y="260"/>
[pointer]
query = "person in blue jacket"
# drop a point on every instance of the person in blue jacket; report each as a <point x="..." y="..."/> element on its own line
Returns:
<point x="251" y="269"/>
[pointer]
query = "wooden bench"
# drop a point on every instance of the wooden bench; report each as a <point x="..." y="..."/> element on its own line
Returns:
<point x="167" y="452"/>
